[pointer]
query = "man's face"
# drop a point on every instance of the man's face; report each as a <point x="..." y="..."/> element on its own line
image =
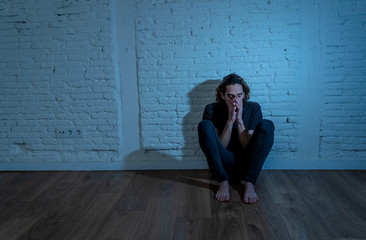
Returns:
<point x="233" y="93"/>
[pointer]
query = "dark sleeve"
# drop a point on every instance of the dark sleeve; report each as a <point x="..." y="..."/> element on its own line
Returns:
<point x="213" y="113"/>
<point x="255" y="116"/>
<point x="207" y="114"/>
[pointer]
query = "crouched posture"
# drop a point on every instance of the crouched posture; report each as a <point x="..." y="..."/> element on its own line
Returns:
<point x="235" y="138"/>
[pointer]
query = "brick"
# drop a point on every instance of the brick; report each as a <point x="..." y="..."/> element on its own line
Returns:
<point x="58" y="70"/>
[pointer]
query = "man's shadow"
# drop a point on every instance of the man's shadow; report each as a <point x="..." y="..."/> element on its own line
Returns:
<point x="201" y="95"/>
<point x="192" y="156"/>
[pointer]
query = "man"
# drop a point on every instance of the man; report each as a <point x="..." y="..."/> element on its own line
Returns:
<point x="235" y="138"/>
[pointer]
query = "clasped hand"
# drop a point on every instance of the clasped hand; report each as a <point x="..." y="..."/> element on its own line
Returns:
<point x="235" y="112"/>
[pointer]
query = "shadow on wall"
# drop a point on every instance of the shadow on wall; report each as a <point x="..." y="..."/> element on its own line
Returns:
<point x="201" y="95"/>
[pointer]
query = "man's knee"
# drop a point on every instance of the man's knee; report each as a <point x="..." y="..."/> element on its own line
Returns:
<point x="205" y="126"/>
<point x="266" y="126"/>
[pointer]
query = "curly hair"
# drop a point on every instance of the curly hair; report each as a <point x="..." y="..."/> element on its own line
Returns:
<point x="231" y="79"/>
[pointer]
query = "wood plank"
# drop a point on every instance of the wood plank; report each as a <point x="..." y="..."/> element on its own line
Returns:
<point x="23" y="193"/>
<point x="53" y="197"/>
<point x="116" y="181"/>
<point x="180" y="204"/>
<point x="5" y="177"/>
<point x="356" y="180"/>
<point x="120" y="225"/>
<point x="51" y="225"/>
<point x="168" y="182"/>
<point x="77" y="196"/>
<point x="28" y="185"/>
<point x="15" y="227"/>
<point x="227" y="221"/>
<point x="12" y="209"/>
<point x="90" y="223"/>
<point x="348" y="239"/>
<point x="293" y="210"/>
<point x="191" y="228"/>
<point x="56" y="196"/>
<point x="64" y="213"/>
<point x="259" y="221"/>
<point x="196" y="195"/>
<point x="350" y="201"/>
<point x="159" y="219"/>
<point x="86" y="187"/>
<point x="263" y="219"/>
<point x="194" y="210"/>
<point x="136" y="195"/>
<point x="322" y="205"/>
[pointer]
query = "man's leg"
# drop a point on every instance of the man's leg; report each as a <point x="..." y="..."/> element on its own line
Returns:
<point x="219" y="159"/>
<point x="254" y="156"/>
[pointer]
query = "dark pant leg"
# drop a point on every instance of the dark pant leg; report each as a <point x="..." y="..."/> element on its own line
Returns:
<point x="219" y="159"/>
<point x="252" y="158"/>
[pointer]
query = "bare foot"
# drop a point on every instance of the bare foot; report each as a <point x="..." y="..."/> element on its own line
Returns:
<point x="250" y="196"/>
<point x="223" y="194"/>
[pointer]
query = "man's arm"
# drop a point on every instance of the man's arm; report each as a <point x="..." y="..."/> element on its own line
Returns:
<point x="226" y="134"/>
<point x="244" y="135"/>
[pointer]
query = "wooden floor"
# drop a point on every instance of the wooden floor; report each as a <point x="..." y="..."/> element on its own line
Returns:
<point x="179" y="205"/>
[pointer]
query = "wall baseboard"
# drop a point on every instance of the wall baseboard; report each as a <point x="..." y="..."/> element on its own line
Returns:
<point x="164" y="165"/>
<point x="315" y="165"/>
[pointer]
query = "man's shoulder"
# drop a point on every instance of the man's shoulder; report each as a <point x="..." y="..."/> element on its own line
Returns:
<point x="213" y="105"/>
<point x="215" y="112"/>
<point x="216" y="106"/>
<point x="252" y="105"/>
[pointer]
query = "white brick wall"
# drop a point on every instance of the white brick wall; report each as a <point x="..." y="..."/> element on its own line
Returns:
<point x="56" y="71"/>
<point x="181" y="45"/>
<point x="343" y="98"/>
<point x="62" y="65"/>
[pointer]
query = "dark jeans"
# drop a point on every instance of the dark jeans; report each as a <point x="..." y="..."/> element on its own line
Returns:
<point x="244" y="164"/>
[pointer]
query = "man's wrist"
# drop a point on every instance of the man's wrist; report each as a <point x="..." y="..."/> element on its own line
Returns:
<point x="230" y="123"/>
<point x="241" y="126"/>
<point x="240" y="123"/>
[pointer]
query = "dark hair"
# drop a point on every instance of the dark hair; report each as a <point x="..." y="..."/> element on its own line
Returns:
<point x="231" y="79"/>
